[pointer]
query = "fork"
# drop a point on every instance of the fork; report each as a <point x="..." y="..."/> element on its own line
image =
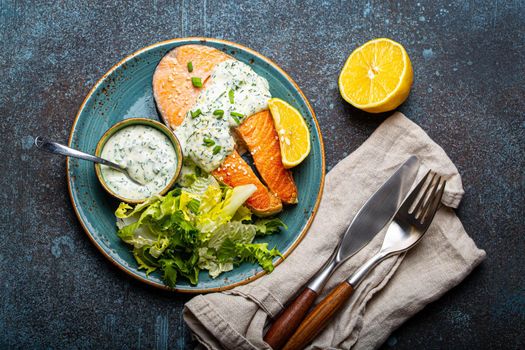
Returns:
<point x="408" y="227"/>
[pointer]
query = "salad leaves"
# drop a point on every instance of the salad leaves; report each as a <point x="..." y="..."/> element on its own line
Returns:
<point x="202" y="226"/>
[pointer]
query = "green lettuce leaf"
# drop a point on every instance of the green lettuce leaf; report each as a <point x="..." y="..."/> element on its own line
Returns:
<point x="234" y="231"/>
<point x="145" y="261"/>
<point x="203" y="226"/>
<point x="223" y="211"/>
<point x="209" y="261"/>
<point x="242" y="214"/>
<point x="158" y="247"/>
<point x="210" y="197"/>
<point x="267" y="227"/>
<point x="235" y="198"/>
<point x="125" y="210"/>
<point x="137" y="236"/>
<point x="258" y="253"/>
<point x="176" y="264"/>
<point x="194" y="205"/>
<point x="189" y="173"/>
<point x="161" y="235"/>
<point x="251" y="252"/>
<point x="203" y="184"/>
<point x="170" y="273"/>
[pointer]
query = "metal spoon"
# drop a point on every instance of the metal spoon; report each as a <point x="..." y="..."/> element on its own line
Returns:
<point x="57" y="148"/>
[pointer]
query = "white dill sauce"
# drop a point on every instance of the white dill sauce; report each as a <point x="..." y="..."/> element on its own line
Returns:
<point x="233" y="93"/>
<point x="148" y="155"/>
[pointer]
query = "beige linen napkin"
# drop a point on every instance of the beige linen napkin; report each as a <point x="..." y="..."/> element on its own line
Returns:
<point x="394" y="291"/>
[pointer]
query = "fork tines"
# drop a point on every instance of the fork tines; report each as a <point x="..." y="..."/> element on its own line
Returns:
<point x="425" y="202"/>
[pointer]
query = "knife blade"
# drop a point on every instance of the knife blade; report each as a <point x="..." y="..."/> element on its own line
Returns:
<point x="377" y="211"/>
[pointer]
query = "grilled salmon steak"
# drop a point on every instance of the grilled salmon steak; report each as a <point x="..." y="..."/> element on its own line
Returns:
<point x="175" y="95"/>
<point x="259" y="135"/>
<point x="235" y="172"/>
<point x="172" y="86"/>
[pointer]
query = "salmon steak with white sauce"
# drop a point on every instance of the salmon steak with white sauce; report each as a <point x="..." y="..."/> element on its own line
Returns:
<point x="211" y="101"/>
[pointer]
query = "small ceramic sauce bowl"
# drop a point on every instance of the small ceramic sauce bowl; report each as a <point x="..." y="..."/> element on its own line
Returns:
<point x="146" y="122"/>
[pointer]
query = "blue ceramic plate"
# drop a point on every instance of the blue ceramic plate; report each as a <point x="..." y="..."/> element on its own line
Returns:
<point x="125" y="92"/>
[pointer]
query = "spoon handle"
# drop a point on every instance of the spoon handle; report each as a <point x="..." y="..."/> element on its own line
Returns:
<point x="57" y="148"/>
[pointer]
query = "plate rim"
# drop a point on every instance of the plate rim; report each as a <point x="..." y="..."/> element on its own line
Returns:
<point x="295" y="243"/>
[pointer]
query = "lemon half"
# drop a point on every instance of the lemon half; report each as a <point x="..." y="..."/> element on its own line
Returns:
<point x="377" y="76"/>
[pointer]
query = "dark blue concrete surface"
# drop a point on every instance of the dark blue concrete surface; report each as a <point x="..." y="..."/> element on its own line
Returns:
<point x="57" y="291"/>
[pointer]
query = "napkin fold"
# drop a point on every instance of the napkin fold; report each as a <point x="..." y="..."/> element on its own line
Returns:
<point x="394" y="291"/>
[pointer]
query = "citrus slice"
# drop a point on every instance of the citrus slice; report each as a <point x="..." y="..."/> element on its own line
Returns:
<point x="294" y="137"/>
<point x="377" y="76"/>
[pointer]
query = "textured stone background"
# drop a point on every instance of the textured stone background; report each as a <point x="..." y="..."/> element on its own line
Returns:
<point x="57" y="290"/>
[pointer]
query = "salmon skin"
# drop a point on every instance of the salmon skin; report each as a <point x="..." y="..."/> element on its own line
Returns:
<point x="172" y="86"/>
<point x="235" y="172"/>
<point x="259" y="134"/>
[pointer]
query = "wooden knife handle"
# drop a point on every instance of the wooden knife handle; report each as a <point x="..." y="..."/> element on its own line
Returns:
<point x="318" y="319"/>
<point x="289" y="319"/>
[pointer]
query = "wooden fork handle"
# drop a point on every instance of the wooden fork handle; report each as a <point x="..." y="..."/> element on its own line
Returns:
<point x="318" y="319"/>
<point x="289" y="319"/>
